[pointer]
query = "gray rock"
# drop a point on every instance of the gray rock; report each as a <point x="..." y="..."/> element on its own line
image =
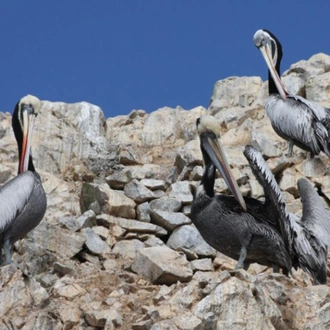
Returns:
<point x="181" y="191"/>
<point x="127" y="248"/>
<point x="112" y="202"/>
<point x="118" y="179"/>
<point x="168" y="269"/>
<point x="143" y="212"/>
<point x="101" y="317"/>
<point x="202" y="264"/>
<point x="165" y="204"/>
<point x="94" y="243"/>
<point x="138" y="192"/>
<point x="169" y="220"/>
<point x="188" y="238"/>
<point x="133" y="225"/>
<point x="58" y="240"/>
<point x="153" y="184"/>
<point x="101" y="231"/>
<point x="87" y="219"/>
<point x="69" y="223"/>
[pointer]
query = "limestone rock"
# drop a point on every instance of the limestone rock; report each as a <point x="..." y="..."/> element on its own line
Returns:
<point x="127" y="248"/>
<point x="181" y="191"/>
<point x="58" y="240"/>
<point x="165" y="204"/>
<point x="94" y="243"/>
<point x="169" y="220"/>
<point x="225" y="95"/>
<point x="188" y="238"/>
<point x="138" y="192"/>
<point x="168" y="269"/>
<point x="112" y="202"/>
<point x="143" y="212"/>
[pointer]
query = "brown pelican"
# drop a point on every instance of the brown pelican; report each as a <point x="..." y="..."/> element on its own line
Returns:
<point x="237" y="227"/>
<point x="302" y="123"/>
<point x="22" y="200"/>
<point x="250" y="230"/>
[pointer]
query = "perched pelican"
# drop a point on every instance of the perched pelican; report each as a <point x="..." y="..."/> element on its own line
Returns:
<point x="22" y="200"/>
<point x="302" y="123"/>
<point x="249" y="230"/>
<point x="237" y="227"/>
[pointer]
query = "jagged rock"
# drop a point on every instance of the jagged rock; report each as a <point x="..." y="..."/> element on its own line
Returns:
<point x="202" y="264"/>
<point x="311" y="168"/>
<point x="94" y="243"/>
<point x="69" y="315"/>
<point x="118" y="179"/>
<point x="69" y="223"/>
<point x="127" y="248"/>
<point x="101" y="231"/>
<point x="181" y="191"/>
<point x="315" y="87"/>
<point x="168" y="269"/>
<point x="153" y="184"/>
<point x="64" y="269"/>
<point x="188" y="155"/>
<point x="133" y="225"/>
<point x="143" y="212"/>
<point x="289" y="181"/>
<point x="169" y="220"/>
<point x="153" y="241"/>
<point x="128" y="156"/>
<point x="58" y="240"/>
<point x="87" y="219"/>
<point x="138" y="192"/>
<point x="165" y="204"/>
<point x="188" y="238"/>
<point x="112" y="202"/>
<point x="100" y="318"/>
<point x="66" y="288"/>
<point x="225" y="95"/>
<point x="225" y="301"/>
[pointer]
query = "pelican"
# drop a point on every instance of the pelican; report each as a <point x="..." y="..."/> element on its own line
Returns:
<point x="237" y="227"/>
<point x="22" y="200"/>
<point x="249" y="230"/>
<point x="302" y="123"/>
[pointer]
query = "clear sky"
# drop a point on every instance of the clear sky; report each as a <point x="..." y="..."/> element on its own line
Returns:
<point x="146" y="54"/>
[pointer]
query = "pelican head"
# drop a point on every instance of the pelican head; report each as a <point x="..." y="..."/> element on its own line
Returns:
<point x="25" y="111"/>
<point x="271" y="50"/>
<point x="209" y="133"/>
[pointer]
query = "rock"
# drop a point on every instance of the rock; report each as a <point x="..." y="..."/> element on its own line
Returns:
<point x="69" y="315"/>
<point x="311" y="168"/>
<point x="258" y="312"/>
<point x="165" y="204"/>
<point x="138" y="192"/>
<point x="111" y="201"/>
<point x="143" y="212"/>
<point x="101" y="231"/>
<point x="169" y="220"/>
<point x="168" y="269"/>
<point x="58" y="240"/>
<point x="225" y="95"/>
<point x="100" y="318"/>
<point x="202" y="264"/>
<point x="188" y="238"/>
<point x="153" y="184"/>
<point x="87" y="219"/>
<point x="66" y="288"/>
<point x="69" y="223"/>
<point x="127" y="248"/>
<point x="315" y="87"/>
<point x="95" y="244"/>
<point x="118" y="179"/>
<point x="181" y="192"/>
<point x="133" y="225"/>
<point x="188" y="321"/>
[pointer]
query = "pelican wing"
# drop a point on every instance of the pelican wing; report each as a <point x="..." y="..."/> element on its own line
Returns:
<point x="273" y="194"/>
<point x="315" y="217"/>
<point x="14" y="195"/>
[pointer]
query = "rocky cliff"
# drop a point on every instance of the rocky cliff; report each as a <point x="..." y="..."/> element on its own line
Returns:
<point x="117" y="249"/>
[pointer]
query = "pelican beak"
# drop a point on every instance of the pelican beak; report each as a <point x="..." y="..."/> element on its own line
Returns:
<point x="266" y="52"/>
<point x="28" y="117"/>
<point x="213" y="148"/>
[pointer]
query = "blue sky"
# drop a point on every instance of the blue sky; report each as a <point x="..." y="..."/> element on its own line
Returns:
<point x="143" y="54"/>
